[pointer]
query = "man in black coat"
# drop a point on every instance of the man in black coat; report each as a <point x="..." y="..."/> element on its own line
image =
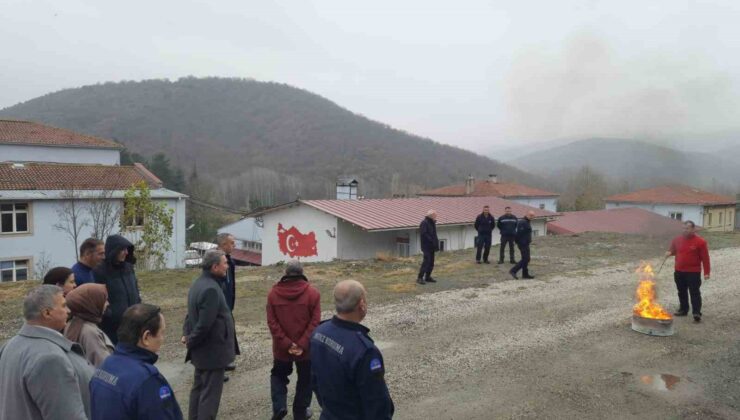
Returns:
<point x="208" y="333"/>
<point x="523" y="240"/>
<point x="484" y="225"/>
<point x="117" y="273"/>
<point x="429" y="245"/>
<point x="507" y="228"/>
<point x="226" y="243"/>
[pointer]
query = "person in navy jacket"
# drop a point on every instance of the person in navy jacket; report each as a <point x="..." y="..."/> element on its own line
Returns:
<point x="523" y="239"/>
<point x="484" y="225"/>
<point x="127" y="386"/>
<point x="347" y="369"/>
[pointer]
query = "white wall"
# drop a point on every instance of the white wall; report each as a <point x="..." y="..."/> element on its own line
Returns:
<point x="306" y="219"/>
<point x="59" y="247"/>
<point x="244" y="229"/>
<point x="690" y="212"/>
<point x="551" y="203"/>
<point x="356" y="243"/>
<point x="23" y="153"/>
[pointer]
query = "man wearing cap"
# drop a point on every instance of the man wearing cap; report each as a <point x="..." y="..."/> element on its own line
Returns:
<point x="429" y="245"/>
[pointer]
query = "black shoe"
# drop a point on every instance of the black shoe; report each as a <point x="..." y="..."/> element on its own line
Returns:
<point x="513" y="274"/>
<point x="431" y="280"/>
<point x="500" y="262"/>
<point x="680" y="313"/>
<point x="512" y="262"/>
<point x="697" y="318"/>
<point x="420" y="280"/>
<point x="280" y="415"/>
<point x="477" y="262"/>
<point x="486" y="262"/>
<point x="226" y="379"/>
<point x="231" y="366"/>
<point x="528" y="277"/>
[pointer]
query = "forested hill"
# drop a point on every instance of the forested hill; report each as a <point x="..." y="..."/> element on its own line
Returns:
<point x="270" y="140"/>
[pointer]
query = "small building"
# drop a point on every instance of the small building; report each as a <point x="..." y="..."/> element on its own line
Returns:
<point x="711" y="211"/>
<point x="324" y="230"/>
<point x="629" y="220"/>
<point x="347" y="188"/>
<point x="491" y="187"/>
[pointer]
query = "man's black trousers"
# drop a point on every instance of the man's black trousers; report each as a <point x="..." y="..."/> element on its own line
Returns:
<point x="688" y="284"/>
<point x="506" y="239"/>
<point x="484" y="245"/>
<point x="523" y="263"/>
<point x="279" y="381"/>
<point x="205" y="396"/>
<point x="427" y="265"/>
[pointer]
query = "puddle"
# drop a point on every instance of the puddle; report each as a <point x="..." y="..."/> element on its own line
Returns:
<point x="662" y="382"/>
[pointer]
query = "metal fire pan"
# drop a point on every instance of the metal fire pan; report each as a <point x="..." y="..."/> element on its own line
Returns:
<point x="649" y="326"/>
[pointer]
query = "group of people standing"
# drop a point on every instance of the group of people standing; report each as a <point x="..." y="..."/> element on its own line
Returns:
<point x="512" y="229"/>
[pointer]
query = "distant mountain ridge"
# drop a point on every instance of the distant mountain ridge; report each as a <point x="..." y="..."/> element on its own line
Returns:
<point x="638" y="163"/>
<point x="260" y="132"/>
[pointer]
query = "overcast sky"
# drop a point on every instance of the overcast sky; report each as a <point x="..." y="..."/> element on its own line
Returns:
<point x="471" y="73"/>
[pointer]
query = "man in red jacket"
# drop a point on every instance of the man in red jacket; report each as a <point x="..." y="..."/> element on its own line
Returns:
<point x="691" y="253"/>
<point x="293" y="312"/>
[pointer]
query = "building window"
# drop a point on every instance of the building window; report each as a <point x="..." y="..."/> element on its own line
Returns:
<point x="16" y="270"/>
<point x="134" y="220"/>
<point x="14" y="218"/>
<point x="542" y="206"/>
<point x="676" y="215"/>
<point x="442" y="245"/>
<point x="403" y="249"/>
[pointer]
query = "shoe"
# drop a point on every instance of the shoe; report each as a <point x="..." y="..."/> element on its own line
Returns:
<point x="477" y="262"/>
<point x="420" y="280"/>
<point x="697" y="318"/>
<point x="528" y="277"/>
<point x="486" y="262"/>
<point x="513" y="274"/>
<point x="226" y="379"/>
<point x="280" y="415"/>
<point x="680" y="313"/>
<point x="231" y="366"/>
<point x="512" y="262"/>
<point x="305" y="416"/>
<point x="500" y="262"/>
<point x="431" y="280"/>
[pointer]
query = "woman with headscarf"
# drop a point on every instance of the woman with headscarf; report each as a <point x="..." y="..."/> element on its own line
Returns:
<point x="62" y="277"/>
<point x="87" y="304"/>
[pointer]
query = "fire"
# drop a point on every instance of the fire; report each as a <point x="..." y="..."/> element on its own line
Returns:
<point x="646" y="306"/>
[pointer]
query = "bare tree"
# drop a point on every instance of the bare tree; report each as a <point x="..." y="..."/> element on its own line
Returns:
<point x="42" y="266"/>
<point x="105" y="213"/>
<point x="70" y="217"/>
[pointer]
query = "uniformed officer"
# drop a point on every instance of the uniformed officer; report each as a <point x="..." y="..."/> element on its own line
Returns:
<point x="523" y="239"/>
<point x="127" y="385"/>
<point x="347" y="368"/>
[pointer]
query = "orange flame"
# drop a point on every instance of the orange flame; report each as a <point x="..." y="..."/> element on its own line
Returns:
<point x="646" y="294"/>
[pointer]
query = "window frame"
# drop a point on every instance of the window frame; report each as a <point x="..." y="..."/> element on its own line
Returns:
<point x="676" y="215"/>
<point x="14" y="212"/>
<point x="14" y="260"/>
<point x="442" y="245"/>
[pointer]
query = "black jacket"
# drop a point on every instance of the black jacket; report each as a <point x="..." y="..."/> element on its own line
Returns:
<point x="230" y="283"/>
<point x="120" y="280"/>
<point x="485" y="224"/>
<point x="507" y="225"/>
<point x="523" y="232"/>
<point x="428" y="235"/>
<point x="209" y="326"/>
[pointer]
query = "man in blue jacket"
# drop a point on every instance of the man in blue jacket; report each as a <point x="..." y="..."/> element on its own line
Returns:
<point x="507" y="227"/>
<point x="128" y="386"/>
<point x="523" y="240"/>
<point x="429" y="245"/>
<point x="347" y="369"/>
<point x="484" y="225"/>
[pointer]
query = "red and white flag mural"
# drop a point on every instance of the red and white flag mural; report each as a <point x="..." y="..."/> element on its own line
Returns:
<point x="296" y="244"/>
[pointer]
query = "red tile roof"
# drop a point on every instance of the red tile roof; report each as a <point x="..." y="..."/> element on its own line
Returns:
<point x="672" y="194"/>
<point x="250" y="257"/>
<point x="66" y="176"/>
<point x="399" y="213"/>
<point x="32" y="133"/>
<point x="487" y="188"/>
<point x="627" y="220"/>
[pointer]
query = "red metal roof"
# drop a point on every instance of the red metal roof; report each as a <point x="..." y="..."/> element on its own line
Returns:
<point x="487" y="188"/>
<point x="672" y="194"/>
<point x="627" y="220"/>
<point x="68" y="176"/>
<point x="250" y="257"/>
<point x="399" y="213"/>
<point x="32" y="133"/>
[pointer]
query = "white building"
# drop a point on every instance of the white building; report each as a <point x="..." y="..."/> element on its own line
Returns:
<point x="491" y="187"/>
<point x="324" y="230"/>
<point x="711" y="211"/>
<point x="33" y="192"/>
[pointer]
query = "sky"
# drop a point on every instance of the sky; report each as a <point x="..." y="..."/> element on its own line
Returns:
<point x="483" y="75"/>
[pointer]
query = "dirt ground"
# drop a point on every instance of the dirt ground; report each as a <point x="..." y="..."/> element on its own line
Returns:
<point x="480" y="345"/>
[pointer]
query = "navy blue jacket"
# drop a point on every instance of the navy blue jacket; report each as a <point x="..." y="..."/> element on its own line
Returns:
<point x="485" y="224"/>
<point x="523" y="232"/>
<point x="128" y="386"/>
<point x="83" y="274"/>
<point x="347" y="372"/>
<point x="507" y="225"/>
<point x="428" y="235"/>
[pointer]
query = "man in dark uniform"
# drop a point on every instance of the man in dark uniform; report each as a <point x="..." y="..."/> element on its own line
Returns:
<point x="429" y="245"/>
<point x="507" y="228"/>
<point x="347" y="368"/>
<point x="484" y="225"/>
<point x="523" y="239"/>
<point x="226" y="243"/>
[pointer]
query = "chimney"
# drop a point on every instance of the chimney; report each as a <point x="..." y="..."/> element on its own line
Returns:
<point x="469" y="185"/>
<point x="493" y="178"/>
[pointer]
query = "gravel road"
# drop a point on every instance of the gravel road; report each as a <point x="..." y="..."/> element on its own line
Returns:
<point x="558" y="348"/>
